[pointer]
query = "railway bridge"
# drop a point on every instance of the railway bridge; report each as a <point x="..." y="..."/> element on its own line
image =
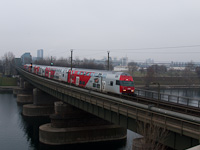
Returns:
<point x="182" y="125"/>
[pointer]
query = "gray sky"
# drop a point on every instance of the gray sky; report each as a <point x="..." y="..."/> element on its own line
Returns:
<point x="93" y="27"/>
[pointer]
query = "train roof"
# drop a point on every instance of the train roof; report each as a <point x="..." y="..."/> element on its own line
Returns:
<point x="86" y="70"/>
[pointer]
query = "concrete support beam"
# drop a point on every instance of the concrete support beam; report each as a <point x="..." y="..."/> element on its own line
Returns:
<point x="43" y="104"/>
<point x="21" y="82"/>
<point x="24" y="98"/>
<point x="70" y="125"/>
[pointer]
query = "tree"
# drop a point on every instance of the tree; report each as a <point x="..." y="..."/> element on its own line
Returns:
<point x="132" y="67"/>
<point x="150" y="75"/>
<point x="197" y="70"/>
<point x="8" y="61"/>
<point x="153" y="136"/>
<point x="188" y="72"/>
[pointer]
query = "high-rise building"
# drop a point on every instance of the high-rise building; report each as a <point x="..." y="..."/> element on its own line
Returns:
<point x="40" y="53"/>
<point x="26" y="58"/>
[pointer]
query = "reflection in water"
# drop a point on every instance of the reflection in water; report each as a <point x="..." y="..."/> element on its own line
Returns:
<point x="193" y="93"/>
<point x="22" y="133"/>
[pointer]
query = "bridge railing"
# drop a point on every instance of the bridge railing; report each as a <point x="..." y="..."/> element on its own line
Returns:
<point x="168" y="97"/>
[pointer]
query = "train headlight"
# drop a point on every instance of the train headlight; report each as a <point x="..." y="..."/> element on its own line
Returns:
<point x="124" y="90"/>
<point x="132" y="90"/>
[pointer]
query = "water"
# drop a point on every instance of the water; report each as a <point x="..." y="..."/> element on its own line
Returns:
<point x="192" y="93"/>
<point x="20" y="133"/>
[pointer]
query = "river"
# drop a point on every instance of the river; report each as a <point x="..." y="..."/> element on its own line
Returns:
<point x="20" y="133"/>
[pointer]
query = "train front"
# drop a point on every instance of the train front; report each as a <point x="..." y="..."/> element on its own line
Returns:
<point x="126" y="85"/>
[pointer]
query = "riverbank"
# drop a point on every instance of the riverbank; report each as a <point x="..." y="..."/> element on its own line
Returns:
<point x="7" y="89"/>
<point x="8" y="81"/>
<point x="168" y="86"/>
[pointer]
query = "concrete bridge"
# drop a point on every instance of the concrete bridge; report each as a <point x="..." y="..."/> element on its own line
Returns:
<point x="183" y="130"/>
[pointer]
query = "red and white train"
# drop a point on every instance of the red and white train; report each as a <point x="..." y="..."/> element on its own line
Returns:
<point x="101" y="80"/>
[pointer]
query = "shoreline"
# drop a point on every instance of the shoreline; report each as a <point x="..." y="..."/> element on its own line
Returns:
<point x="8" y="88"/>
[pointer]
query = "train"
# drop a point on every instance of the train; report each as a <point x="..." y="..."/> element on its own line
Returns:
<point x="98" y="80"/>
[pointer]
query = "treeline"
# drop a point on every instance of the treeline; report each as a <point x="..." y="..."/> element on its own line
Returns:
<point x="77" y="63"/>
<point x="161" y="70"/>
<point x="189" y="75"/>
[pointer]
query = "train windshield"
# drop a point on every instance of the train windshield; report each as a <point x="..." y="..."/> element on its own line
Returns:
<point x="125" y="83"/>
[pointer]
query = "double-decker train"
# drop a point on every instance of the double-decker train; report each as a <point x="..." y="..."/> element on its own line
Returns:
<point x="100" y="80"/>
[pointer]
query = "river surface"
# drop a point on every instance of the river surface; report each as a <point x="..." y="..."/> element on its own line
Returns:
<point x="20" y="133"/>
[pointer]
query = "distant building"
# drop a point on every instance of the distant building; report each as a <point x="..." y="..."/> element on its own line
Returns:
<point x="26" y="58"/>
<point x="120" y="68"/>
<point x="40" y="54"/>
<point x="124" y="61"/>
<point x="18" y="62"/>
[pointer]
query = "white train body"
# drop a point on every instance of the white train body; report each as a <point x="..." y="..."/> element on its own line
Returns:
<point x="100" y="80"/>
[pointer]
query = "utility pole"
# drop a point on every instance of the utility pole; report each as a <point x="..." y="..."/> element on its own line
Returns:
<point x="71" y="58"/>
<point x="51" y="61"/>
<point x="108" y="60"/>
<point x="71" y="65"/>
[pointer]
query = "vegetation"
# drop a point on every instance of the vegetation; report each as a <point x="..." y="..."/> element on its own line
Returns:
<point x="153" y="136"/>
<point x="6" y="81"/>
<point x="77" y="63"/>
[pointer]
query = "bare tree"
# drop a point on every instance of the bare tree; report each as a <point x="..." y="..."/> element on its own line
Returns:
<point x="197" y="70"/>
<point x="153" y="137"/>
<point x="132" y="67"/>
<point x="8" y="61"/>
<point x="150" y="75"/>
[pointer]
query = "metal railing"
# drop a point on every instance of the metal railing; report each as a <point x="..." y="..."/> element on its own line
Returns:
<point x="194" y="102"/>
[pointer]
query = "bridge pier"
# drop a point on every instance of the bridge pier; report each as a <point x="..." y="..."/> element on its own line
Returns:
<point x="24" y="93"/>
<point x="70" y="125"/>
<point x="43" y="104"/>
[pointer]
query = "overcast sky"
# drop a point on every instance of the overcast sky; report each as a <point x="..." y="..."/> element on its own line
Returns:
<point x="163" y="30"/>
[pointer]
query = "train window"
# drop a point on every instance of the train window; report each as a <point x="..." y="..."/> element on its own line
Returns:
<point x="104" y="75"/>
<point x="81" y="73"/>
<point x="96" y="74"/>
<point x="83" y="82"/>
<point x="78" y="73"/>
<point x="92" y="74"/>
<point x="111" y="83"/>
<point x="127" y="83"/>
<point x="117" y="82"/>
<point x="88" y="74"/>
<point x="84" y="73"/>
<point x="94" y="84"/>
<point x="98" y="85"/>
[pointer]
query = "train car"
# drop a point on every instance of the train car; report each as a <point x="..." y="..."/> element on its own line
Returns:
<point x="99" y="80"/>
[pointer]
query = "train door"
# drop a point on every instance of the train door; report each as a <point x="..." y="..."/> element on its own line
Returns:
<point x="77" y="80"/>
<point x="49" y="74"/>
<point x="103" y="86"/>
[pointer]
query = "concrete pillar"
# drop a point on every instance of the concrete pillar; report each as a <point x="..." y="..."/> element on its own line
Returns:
<point x="24" y="88"/>
<point x="70" y="125"/>
<point x="21" y="82"/>
<point x="43" y="104"/>
<point x="24" y="98"/>
<point x="27" y="85"/>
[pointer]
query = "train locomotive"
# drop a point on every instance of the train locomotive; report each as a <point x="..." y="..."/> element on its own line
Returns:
<point x="99" y="80"/>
